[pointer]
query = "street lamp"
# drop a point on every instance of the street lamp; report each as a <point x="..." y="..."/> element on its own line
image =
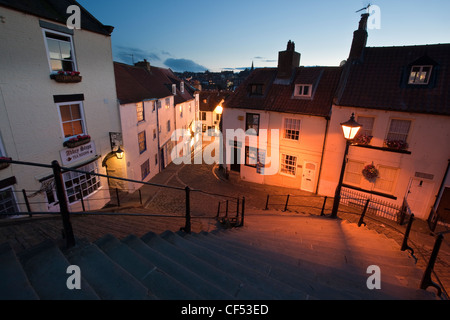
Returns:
<point x="349" y="129"/>
<point x="119" y="153"/>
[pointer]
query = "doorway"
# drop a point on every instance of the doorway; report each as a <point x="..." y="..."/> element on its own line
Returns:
<point x="418" y="197"/>
<point x="308" y="176"/>
<point x="235" y="165"/>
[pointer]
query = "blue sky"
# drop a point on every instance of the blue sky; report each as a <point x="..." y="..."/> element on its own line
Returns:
<point x="221" y="35"/>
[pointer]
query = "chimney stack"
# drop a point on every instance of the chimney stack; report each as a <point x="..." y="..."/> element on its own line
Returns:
<point x="143" y="64"/>
<point x="287" y="62"/>
<point x="359" y="38"/>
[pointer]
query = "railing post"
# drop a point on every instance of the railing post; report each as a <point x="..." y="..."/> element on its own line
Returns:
<point x="405" y="238"/>
<point x="267" y="203"/>
<point x="242" y="212"/>
<point x="226" y="209"/>
<point x="117" y="196"/>
<point x="322" y="213"/>
<point x="218" y="211"/>
<point x="426" y="279"/>
<point x="140" y="197"/>
<point x="361" y="219"/>
<point x="187" y="227"/>
<point x="27" y="203"/>
<point x="82" y="201"/>
<point x="61" y="193"/>
<point x="286" y="205"/>
<point x="237" y="209"/>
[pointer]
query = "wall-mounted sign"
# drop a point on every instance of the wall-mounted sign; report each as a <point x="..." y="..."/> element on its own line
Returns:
<point x="83" y="152"/>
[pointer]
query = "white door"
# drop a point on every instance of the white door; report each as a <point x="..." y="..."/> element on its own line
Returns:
<point x="418" y="197"/>
<point x="52" y="200"/>
<point x="309" y="175"/>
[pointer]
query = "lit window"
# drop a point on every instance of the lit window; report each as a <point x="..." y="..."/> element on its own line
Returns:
<point x="386" y="179"/>
<point x="81" y="184"/>
<point x="142" y="142"/>
<point x="353" y="172"/>
<point x="291" y="129"/>
<point x="288" y="164"/>
<point x="140" y="111"/>
<point x="72" y="119"/>
<point x="145" y="169"/>
<point x="60" y="51"/>
<point x="303" y="90"/>
<point x="252" y="124"/>
<point x="420" y="74"/>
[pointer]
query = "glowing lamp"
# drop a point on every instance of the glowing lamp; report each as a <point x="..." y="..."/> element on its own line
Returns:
<point x="350" y="128"/>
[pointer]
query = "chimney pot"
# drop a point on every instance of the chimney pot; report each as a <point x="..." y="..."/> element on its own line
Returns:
<point x="359" y="38"/>
<point x="143" y="64"/>
<point x="287" y="62"/>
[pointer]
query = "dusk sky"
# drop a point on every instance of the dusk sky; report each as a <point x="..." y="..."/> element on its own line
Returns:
<point x="224" y="35"/>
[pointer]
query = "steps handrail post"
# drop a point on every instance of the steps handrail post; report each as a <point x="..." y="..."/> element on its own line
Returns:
<point x="187" y="227"/>
<point x="361" y="219"/>
<point x="242" y="212"/>
<point x="117" y="196"/>
<point x="64" y="208"/>
<point x="237" y="208"/>
<point x="426" y="279"/>
<point x="267" y="203"/>
<point x="27" y="203"/>
<point x="322" y="213"/>
<point x="286" y="205"/>
<point x="405" y="238"/>
<point x="82" y="202"/>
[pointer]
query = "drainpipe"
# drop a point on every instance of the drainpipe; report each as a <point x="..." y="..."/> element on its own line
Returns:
<point x="327" y="118"/>
<point x="157" y="102"/>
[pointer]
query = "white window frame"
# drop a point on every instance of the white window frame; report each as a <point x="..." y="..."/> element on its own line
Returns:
<point x="83" y="119"/>
<point x="407" y="134"/>
<point x="283" y="163"/>
<point x="416" y="79"/>
<point x="296" y="128"/>
<point x="74" y="60"/>
<point x="13" y="198"/>
<point x="363" y="128"/>
<point x="302" y="94"/>
<point x="94" y="182"/>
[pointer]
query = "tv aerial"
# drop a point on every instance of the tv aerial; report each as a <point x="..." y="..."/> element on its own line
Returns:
<point x="366" y="8"/>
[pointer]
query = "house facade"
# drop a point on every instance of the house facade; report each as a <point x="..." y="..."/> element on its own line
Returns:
<point x="401" y="97"/>
<point x="154" y="103"/>
<point x="211" y="109"/>
<point x="57" y="102"/>
<point x="284" y="113"/>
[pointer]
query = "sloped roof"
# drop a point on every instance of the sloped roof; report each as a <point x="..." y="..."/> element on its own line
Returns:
<point x="55" y="10"/>
<point x="135" y="84"/>
<point x="280" y="97"/>
<point x="380" y="80"/>
<point x="209" y="100"/>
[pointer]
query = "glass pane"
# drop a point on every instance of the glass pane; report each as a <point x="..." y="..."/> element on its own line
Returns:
<point x="65" y="113"/>
<point x="76" y="113"/>
<point x="77" y="127"/>
<point x="68" y="130"/>
<point x="56" y="65"/>
<point x="67" y="65"/>
<point x="53" y="49"/>
<point x="66" y="50"/>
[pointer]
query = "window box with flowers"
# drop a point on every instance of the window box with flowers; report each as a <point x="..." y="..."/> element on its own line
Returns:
<point x="396" y="144"/>
<point x="77" y="141"/>
<point x="4" y="165"/>
<point x="363" y="139"/>
<point x="66" y="76"/>
<point x="370" y="172"/>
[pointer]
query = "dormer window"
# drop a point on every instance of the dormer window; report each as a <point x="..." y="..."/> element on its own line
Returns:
<point x="303" y="90"/>
<point x="420" y="74"/>
<point x="256" y="89"/>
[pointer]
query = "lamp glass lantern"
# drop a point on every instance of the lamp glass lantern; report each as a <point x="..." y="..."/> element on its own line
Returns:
<point x="119" y="153"/>
<point x="350" y="128"/>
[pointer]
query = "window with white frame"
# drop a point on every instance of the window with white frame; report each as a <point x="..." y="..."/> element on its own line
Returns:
<point x="251" y="156"/>
<point x="8" y="203"/>
<point x="420" y="74"/>
<point x="398" y="130"/>
<point x="140" y="111"/>
<point x="60" y="51"/>
<point x="72" y="119"/>
<point x="85" y="184"/>
<point x="303" y="90"/>
<point x="353" y="172"/>
<point x="252" y="124"/>
<point x="387" y="177"/>
<point x="288" y="164"/>
<point x="167" y="101"/>
<point x="142" y="141"/>
<point x="366" y="125"/>
<point x="291" y="129"/>
<point x="145" y="169"/>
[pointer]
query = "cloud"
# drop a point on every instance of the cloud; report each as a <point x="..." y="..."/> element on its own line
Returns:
<point x="181" y="65"/>
<point x="130" y="54"/>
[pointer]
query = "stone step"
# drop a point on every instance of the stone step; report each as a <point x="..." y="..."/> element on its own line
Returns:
<point x="227" y="282"/>
<point x="157" y="281"/>
<point x="109" y="280"/>
<point x="190" y="279"/>
<point x="46" y="268"/>
<point x="243" y="272"/>
<point x="14" y="284"/>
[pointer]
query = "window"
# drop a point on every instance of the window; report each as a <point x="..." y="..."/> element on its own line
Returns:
<point x="291" y="129"/>
<point x="288" y="164"/>
<point x="84" y="184"/>
<point x="140" y="111"/>
<point x="182" y="87"/>
<point x="60" y="51"/>
<point x="145" y="169"/>
<point x="252" y="124"/>
<point x="217" y="116"/>
<point x="168" y="125"/>
<point x="154" y="134"/>
<point x="142" y="142"/>
<point x="156" y="159"/>
<point x="353" y="172"/>
<point x="251" y="156"/>
<point x="203" y="116"/>
<point x="365" y="135"/>
<point x="154" y="106"/>
<point x="256" y="89"/>
<point x="72" y="119"/>
<point x="420" y="74"/>
<point x="8" y="202"/>
<point x="398" y="130"/>
<point x="386" y="179"/>
<point x="303" y="90"/>
<point x="174" y="89"/>
<point x="181" y="111"/>
<point x="167" y="103"/>
<point x="2" y="148"/>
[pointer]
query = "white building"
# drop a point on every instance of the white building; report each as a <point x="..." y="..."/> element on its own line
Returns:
<point x="40" y="112"/>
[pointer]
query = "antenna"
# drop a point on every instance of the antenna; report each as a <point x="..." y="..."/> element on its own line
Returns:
<point x="366" y="8"/>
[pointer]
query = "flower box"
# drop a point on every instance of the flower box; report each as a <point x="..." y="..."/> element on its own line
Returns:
<point x="77" y="141"/>
<point x="66" y="77"/>
<point x="396" y="144"/>
<point x="363" y="139"/>
<point x="4" y="165"/>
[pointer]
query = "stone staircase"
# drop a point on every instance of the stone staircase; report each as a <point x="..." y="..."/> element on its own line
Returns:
<point x="270" y="258"/>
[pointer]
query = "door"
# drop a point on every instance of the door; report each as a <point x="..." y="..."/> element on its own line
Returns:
<point x="309" y="175"/>
<point x="418" y="197"/>
<point x="443" y="208"/>
<point x="52" y="200"/>
<point x="235" y="165"/>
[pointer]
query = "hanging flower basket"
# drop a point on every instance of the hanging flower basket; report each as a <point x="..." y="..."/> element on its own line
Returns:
<point x="77" y="141"/>
<point x="363" y="139"/>
<point x="4" y="165"/>
<point x="66" y="76"/>
<point x="396" y="144"/>
<point x="370" y="172"/>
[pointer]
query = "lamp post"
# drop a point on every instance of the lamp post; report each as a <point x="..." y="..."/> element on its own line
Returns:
<point x="349" y="129"/>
